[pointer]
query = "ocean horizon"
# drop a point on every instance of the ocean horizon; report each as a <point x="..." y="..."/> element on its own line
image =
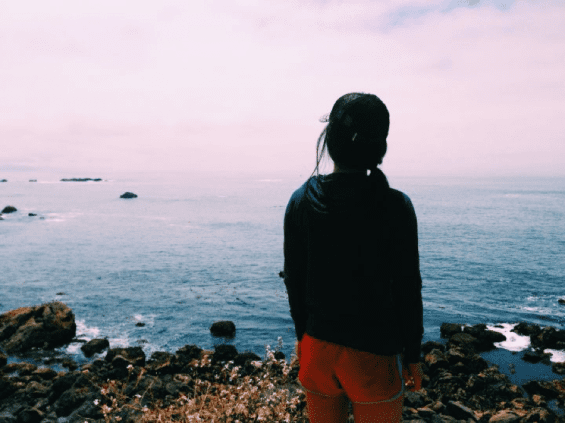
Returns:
<point x="193" y="249"/>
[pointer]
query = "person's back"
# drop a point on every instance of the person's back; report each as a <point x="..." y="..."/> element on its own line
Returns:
<point x="351" y="269"/>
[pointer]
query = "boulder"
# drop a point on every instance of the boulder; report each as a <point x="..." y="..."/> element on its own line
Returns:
<point x="33" y="180"/>
<point x="32" y="214"/>
<point x="9" y="209"/>
<point x="133" y="355"/>
<point x="224" y="353"/>
<point x="561" y="301"/>
<point x="45" y="326"/>
<point x="242" y="358"/>
<point x="447" y="330"/>
<point x="460" y="411"/>
<point x="128" y="195"/>
<point x="3" y="360"/>
<point x="558" y="368"/>
<point x="536" y="356"/>
<point x="94" y="346"/>
<point x="3" y="180"/>
<point x="223" y="328"/>
<point x="526" y="329"/>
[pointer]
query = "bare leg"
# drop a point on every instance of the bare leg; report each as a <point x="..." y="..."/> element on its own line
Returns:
<point x="322" y="409"/>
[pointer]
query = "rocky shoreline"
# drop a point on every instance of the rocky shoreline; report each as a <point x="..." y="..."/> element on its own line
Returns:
<point x="122" y="384"/>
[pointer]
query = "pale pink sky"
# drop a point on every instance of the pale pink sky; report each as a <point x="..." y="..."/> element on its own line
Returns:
<point x="473" y="87"/>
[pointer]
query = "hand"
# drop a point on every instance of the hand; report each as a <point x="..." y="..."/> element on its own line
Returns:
<point x="413" y="376"/>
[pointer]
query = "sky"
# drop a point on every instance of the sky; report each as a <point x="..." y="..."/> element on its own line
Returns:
<point x="473" y="87"/>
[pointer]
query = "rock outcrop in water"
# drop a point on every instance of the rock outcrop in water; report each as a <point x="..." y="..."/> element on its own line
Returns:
<point x="81" y="179"/>
<point x="94" y="346"/>
<point x="9" y="209"/>
<point x="128" y="195"/>
<point x="45" y="326"/>
<point x="3" y="180"/>
<point x="223" y="328"/>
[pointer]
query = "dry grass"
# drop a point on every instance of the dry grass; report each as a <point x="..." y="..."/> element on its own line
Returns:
<point x="270" y="394"/>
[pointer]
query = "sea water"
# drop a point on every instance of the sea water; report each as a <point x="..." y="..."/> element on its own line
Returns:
<point x="193" y="249"/>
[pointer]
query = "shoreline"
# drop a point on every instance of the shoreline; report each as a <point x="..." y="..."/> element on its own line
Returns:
<point x="466" y="378"/>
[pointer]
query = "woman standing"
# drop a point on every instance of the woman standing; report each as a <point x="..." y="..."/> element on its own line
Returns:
<point x="352" y="274"/>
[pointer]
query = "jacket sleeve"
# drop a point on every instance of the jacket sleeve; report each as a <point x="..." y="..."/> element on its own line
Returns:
<point x="295" y="265"/>
<point x="411" y="297"/>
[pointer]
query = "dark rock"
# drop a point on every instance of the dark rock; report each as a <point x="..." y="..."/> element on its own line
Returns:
<point x="536" y="356"/>
<point x="30" y="415"/>
<point x="33" y="180"/>
<point x="549" y="337"/>
<point x="504" y="416"/>
<point x="414" y="399"/>
<point x="242" y="358"/>
<point x="561" y="301"/>
<point x="459" y="411"/>
<point x="61" y="384"/>
<point x="6" y="416"/>
<point x="70" y="400"/>
<point x="36" y="390"/>
<point x="45" y="373"/>
<point x="485" y="338"/>
<point x="60" y="293"/>
<point x="223" y="328"/>
<point x="94" y="346"/>
<point x="279" y="355"/>
<point x="163" y="363"/>
<point x="447" y="330"/>
<point x="464" y="340"/>
<point x="3" y="360"/>
<point x="32" y="214"/>
<point x="23" y="369"/>
<point x="128" y="195"/>
<point x="81" y="179"/>
<point x="558" y="368"/>
<point x="140" y="324"/>
<point x="526" y="329"/>
<point x="435" y="360"/>
<point x="432" y="345"/>
<point x="3" y="180"/>
<point x="69" y="364"/>
<point x="9" y="209"/>
<point x="48" y="325"/>
<point x="541" y="415"/>
<point x="281" y="274"/>
<point x="542" y="388"/>
<point x="134" y="355"/>
<point x="224" y="353"/>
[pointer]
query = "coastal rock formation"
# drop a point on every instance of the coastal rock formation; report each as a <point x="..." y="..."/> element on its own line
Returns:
<point x="32" y="214"/>
<point x="33" y="180"/>
<point x="81" y="179"/>
<point x="3" y="180"/>
<point x="94" y="346"/>
<point x="45" y="326"/>
<point x="9" y="209"/>
<point x="128" y="195"/>
<point x="223" y="328"/>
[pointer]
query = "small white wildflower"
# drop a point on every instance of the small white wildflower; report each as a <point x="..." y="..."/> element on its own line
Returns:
<point x="130" y="366"/>
<point x="96" y="401"/>
<point x="137" y="396"/>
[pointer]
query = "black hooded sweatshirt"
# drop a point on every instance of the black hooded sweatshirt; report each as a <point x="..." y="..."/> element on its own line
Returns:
<point x="351" y="265"/>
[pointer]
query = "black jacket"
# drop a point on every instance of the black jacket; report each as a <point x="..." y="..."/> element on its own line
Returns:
<point x="351" y="265"/>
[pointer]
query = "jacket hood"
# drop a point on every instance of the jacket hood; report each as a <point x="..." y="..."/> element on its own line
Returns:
<point x="342" y="192"/>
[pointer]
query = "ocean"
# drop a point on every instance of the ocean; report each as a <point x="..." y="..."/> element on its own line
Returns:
<point x="193" y="249"/>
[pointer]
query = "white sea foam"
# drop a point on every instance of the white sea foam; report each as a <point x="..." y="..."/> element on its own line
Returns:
<point x="514" y="342"/>
<point x="557" y="356"/>
<point x="86" y="332"/>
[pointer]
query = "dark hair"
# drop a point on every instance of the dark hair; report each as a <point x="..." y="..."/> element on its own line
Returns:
<point x="355" y="136"/>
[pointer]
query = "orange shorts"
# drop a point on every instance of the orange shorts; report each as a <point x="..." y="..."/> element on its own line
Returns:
<point x="330" y="369"/>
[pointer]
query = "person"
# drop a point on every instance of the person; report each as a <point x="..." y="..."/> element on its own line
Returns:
<point x="351" y="270"/>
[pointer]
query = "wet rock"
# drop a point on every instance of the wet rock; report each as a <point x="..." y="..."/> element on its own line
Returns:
<point x="223" y="328"/>
<point x="536" y="356"/>
<point x="32" y="214"/>
<point x="45" y="373"/>
<point x="549" y="337"/>
<point x="279" y="355"/>
<point x="414" y="399"/>
<point x="94" y="346"/>
<point x="22" y="369"/>
<point x="9" y="209"/>
<point x="541" y="388"/>
<point x="223" y="353"/>
<point x="447" y="330"/>
<point x="140" y="324"/>
<point x="188" y="353"/>
<point x="3" y="360"/>
<point x="464" y="340"/>
<point x="541" y="415"/>
<point x="69" y="364"/>
<point x="49" y="325"/>
<point x="526" y="329"/>
<point x="561" y="301"/>
<point x="128" y="195"/>
<point x="3" y="180"/>
<point x="134" y="355"/>
<point x="485" y="338"/>
<point x="504" y="416"/>
<point x="558" y="368"/>
<point x="70" y="400"/>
